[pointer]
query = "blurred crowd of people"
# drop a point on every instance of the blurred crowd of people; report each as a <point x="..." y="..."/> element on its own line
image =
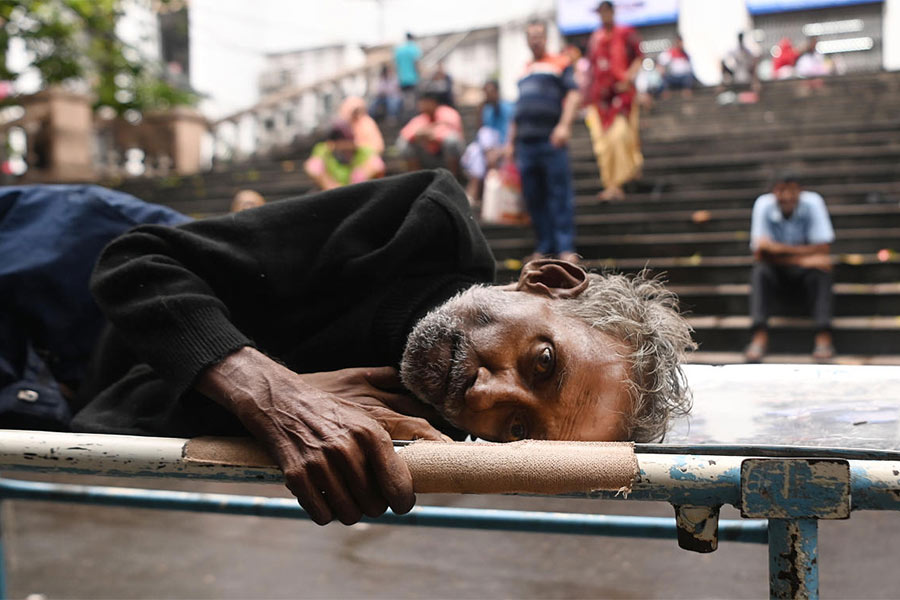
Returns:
<point x="804" y="61"/>
<point x="516" y="165"/>
<point x="742" y="67"/>
<point x="519" y="148"/>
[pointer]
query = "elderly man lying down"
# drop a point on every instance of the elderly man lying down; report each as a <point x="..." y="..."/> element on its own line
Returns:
<point x="290" y="320"/>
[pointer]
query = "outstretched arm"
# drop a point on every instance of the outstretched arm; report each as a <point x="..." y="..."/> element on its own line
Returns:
<point x="194" y="301"/>
<point x="563" y="130"/>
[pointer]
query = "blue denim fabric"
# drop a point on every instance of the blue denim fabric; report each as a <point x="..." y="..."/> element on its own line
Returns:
<point x="547" y="188"/>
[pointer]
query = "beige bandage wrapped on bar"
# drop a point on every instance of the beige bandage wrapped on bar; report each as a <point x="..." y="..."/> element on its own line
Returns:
<point x="526" y="467"/>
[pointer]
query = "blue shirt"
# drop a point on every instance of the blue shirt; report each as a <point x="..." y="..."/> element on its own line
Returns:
<point x="405" y="57"/>
<point x="542" y="89"/>
<point x="498" y="117"/>
<point x="809" y="224"/>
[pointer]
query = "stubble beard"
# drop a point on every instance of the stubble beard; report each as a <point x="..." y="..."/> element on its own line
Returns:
<point x="434" y="358"/>
<point x="440" y="359"/>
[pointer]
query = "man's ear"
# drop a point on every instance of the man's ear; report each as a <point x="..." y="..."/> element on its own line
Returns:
<point x="552" y="278"/>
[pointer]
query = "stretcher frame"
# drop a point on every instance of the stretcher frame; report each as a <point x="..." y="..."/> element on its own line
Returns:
<point x="782" y="492"/>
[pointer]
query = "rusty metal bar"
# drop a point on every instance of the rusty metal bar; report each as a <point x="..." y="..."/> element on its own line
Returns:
<point x="793" y="559"/>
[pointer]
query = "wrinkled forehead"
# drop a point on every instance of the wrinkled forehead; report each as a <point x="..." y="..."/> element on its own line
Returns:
<point x="598" y="401"/>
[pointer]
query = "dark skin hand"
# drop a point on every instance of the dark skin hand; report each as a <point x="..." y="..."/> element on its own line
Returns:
<point x="426" y="134"/>
<point x="810" y="256"/>
<point x="329" y="432"/>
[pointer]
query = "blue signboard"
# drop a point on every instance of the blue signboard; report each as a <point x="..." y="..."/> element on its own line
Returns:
<point x="757" y="7"/>
<point x="579" y="16"/>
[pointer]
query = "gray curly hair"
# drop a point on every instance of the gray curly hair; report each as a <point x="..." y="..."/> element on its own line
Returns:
<point x="640" y="311"/>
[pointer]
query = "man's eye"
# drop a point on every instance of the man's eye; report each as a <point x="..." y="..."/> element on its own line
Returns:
<point x="545" y="360"/>
<point x="517" y="430"/>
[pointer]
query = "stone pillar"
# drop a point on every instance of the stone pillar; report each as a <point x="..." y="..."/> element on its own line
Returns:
<point x="59" y="125"/>
<point x="184" y="129"/>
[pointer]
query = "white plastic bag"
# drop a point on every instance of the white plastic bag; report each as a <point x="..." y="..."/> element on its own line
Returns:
<point x="502" y="201"/>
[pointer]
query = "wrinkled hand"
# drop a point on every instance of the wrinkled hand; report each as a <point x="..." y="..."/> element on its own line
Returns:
<point x="764" y="245"/>
<point x="560" y="136"/>
<point x="379" y="393"/>
<point x="493" y="156"/>
<point x="329" y="432"/>
<point x="426" y="134"/>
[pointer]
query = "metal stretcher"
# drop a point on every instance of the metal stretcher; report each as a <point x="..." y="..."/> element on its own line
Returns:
<point x="786" y="445"/>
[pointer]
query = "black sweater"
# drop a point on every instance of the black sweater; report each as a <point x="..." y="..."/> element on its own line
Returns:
<point x="320" y="283"/>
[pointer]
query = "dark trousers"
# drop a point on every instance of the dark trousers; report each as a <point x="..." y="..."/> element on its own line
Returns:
<point x="547" y="189"/>
<point x="678" y="82"/>
<point x="788" y="282"/>
<point x="386" y="107"/>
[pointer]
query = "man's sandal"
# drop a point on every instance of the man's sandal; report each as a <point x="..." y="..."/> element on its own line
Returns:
<point x="823" y="352"/>
<point x="754" y="353"/>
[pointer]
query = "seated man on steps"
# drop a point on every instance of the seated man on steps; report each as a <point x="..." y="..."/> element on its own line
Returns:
<point x="434" y="137"/>
<point x="289" y="321"/>
<point x="790" y="236"/>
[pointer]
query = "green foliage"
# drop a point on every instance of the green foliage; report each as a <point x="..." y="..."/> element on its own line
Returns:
<point x="76" y="39"/>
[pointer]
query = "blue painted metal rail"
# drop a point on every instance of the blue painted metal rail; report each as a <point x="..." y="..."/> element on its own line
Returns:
<point x="792" y="492"/>
<point x="751" y="531"/>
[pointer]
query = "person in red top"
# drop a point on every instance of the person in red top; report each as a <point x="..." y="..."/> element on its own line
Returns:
<point x="674" y="65"/>
<point x="785" y="57"/>
<point x="612" y="116"/>
<point x="434" y="137"/>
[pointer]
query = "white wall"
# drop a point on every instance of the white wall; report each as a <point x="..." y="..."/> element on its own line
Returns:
<point x="709" y="29"/>
<point x="891" y="40"/>
<point x="229" y="37"/>
<point x="473" y="64"/>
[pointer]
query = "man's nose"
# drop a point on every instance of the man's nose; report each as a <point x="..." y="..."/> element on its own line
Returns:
<point x="493" y="388"/>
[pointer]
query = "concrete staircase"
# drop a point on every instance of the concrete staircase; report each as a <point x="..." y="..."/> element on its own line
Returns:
<point x="842" y="140"/>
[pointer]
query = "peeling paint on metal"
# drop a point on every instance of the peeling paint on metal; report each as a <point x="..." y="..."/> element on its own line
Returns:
<point x="795" y="488"/>
<point x="698" y="527"/>
<point x="793" y="558"/>
<point x="875" y="485"/>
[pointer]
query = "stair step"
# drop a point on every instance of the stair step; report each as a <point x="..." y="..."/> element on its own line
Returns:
<point x="711" y="243"/>
<point x="684" y="270"/>
<point x="850" y="299"/>
<point x="793" y="335"/>
<point x="844" y="216"/>
<point x="733" y="358"/>
<point x="588" y="181"/>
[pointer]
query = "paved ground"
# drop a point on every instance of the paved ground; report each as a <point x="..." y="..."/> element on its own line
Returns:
<point x="65" y="551"/>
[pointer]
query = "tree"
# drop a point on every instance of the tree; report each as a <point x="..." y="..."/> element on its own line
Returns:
<point x="74" y="40"/>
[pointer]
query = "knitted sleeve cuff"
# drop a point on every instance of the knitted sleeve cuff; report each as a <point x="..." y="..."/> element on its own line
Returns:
<point x="204" y="337"/>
